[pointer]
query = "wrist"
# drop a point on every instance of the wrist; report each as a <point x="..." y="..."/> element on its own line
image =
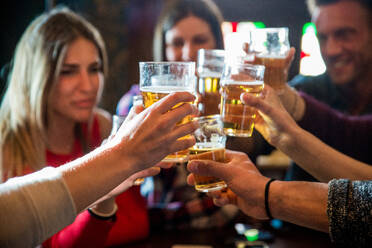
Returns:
<point x="119" y="157"/>
<point x="104" y="215"/>
<point x="274" y="200"/>
<point x="105" y="207"/>
<point x="267" y="191"/>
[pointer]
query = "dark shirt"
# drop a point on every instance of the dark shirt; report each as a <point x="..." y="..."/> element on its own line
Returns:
<point x="351" y="135"/>
<point x="321" y="88"/>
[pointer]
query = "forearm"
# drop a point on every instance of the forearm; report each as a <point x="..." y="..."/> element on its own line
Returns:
<point x="94" y="175"/>
<point x="320" y="160"/>
<point x="301" y="203"/>
<point x="29" y="205"/>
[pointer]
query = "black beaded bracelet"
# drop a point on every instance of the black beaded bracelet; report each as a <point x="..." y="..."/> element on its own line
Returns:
<point x="267" y="208"/>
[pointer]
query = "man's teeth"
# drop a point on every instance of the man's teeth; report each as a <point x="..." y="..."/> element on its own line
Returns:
<point x="339" y="64"/>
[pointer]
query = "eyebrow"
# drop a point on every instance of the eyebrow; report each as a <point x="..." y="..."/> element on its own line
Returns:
<point x="74" y="65"/>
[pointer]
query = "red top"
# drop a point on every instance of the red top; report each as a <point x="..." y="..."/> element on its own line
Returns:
<point x="87" y="231"/>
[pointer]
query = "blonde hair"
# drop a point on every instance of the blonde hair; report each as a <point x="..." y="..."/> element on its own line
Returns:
<point x="36" y="66"/>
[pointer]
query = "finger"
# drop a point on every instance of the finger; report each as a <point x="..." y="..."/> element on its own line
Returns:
<point x="190" y="179"/>
<point x="230" y="155"/>
<point x="256" y="102"/>
<point x="221" y="201"/>
<point x="183" y="130"/>
<point x="290" y="56"/>
<point x="182" y="144"/>
<point x="164" y="165"/>
<point x="177" y="114"/>
<point x="209" y="168"/>
<point x="135" y="110"/>
<point x="168" y="102"/>
<point x="148" y="172"/>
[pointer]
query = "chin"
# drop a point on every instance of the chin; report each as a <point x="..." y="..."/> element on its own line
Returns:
<point x="83" y="117"/>
<point x="342" y="77"/>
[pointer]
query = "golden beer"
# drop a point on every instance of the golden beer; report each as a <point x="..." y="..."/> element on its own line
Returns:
<point x="275" y="75"/>
<point x="207" y="183"/>
<point x="153" y="94"/>
<point x="209" y="87"/>
<point x="238" y="119"/>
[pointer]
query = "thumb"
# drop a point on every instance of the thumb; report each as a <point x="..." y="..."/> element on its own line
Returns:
<point x="209" y="168"/>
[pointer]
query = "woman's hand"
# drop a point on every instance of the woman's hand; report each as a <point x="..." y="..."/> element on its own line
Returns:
<point x="245" y="183"/>
<point x="147" y="137"/>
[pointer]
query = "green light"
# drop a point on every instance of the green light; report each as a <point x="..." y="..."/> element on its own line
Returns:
<point x="259" y="25"/>
<point x="251" y="234"/>
<point x="308" y="27"/>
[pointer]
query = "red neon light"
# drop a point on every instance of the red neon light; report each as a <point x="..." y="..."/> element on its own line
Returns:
<point x="234" y="26"/>
<point x="302" y="55"/>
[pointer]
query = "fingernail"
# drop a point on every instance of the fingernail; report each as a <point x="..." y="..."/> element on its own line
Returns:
<point x="193" y="166"/>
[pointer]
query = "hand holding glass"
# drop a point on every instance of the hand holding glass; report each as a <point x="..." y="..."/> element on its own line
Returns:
<point x="210" y="145"/>
<point x="158" y="79"/>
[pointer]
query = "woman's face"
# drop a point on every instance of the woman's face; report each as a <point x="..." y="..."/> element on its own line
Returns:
<point x="184" y="39"/>
<point x="79" y="84"/>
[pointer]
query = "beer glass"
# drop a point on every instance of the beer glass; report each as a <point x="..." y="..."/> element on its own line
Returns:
<point x="236" y="79"/>
<point x="158" y="79"/>
<point x="117" y="120"/>
<point x="210" y="145"/>
<point x="271" y="46"/>
<point x="209" y="70"/>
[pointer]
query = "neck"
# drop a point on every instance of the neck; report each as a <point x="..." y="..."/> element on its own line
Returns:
<point x="360" y="93"/>
<point x="61" y="134"/>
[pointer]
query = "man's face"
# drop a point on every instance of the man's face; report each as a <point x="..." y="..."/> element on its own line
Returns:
<point x="345" y="39"/>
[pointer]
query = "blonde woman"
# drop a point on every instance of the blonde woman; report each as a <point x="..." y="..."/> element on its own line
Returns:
<point x="49" y="116"/>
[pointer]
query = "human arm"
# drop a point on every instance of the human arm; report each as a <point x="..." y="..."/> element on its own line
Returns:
<point x="34" y="207"/>
<point x="320" y="160"/>
<point x="152" y="132"/>
<point x="341" y="207"/>
<point x="301" y="203"/>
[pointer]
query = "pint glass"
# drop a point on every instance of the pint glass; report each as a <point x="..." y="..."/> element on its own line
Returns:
<point x="210" y="145"/>
<point x="271" y="46"/>
<point x="209" y="70"/>
<point x="158" y="79"/>
<point x="236" y="79"/>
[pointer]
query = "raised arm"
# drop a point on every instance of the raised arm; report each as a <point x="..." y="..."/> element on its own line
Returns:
<point x="319" y="159"/>
<point x="139" y="144"/>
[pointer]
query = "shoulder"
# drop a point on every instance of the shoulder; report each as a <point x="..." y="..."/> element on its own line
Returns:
<point x="315" y="81"/>
<point x="104" y="122"/>
<point x="317" y="86"/>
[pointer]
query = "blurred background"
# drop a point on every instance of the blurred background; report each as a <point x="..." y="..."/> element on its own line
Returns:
<point x="127" y="27"/>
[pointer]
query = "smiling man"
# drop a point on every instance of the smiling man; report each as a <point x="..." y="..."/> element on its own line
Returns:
<point x="345" y="37"/>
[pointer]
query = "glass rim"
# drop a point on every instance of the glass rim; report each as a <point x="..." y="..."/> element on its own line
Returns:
<point x="166" y="63"/>
<point x="216" y="51"/>
<point x="270" y="29"/>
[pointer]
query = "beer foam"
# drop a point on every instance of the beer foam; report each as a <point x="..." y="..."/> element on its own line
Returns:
<point x="211" y="74"/>
<point x="232" y="82"/>
<point x="166" y="89"/>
